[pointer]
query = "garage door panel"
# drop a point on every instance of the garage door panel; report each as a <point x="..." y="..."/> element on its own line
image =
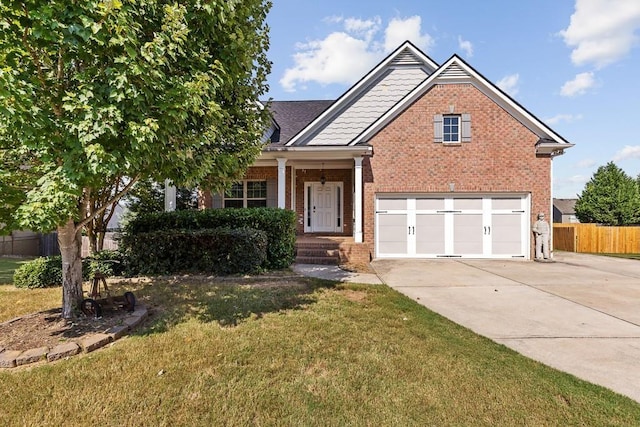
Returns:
<point x="467" y="204"/>
<point x="467" y="234"/>
<point x="430" y="234"/>
<point x="429" y="204"/>
<point x="392" y="233"/>
<point x="506" y="237"/>
<point x="392" y="204"/>
<point x="433" y="225"/>
<point x="506" y="203"/>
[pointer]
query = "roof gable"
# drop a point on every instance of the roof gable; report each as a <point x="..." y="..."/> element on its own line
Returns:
<point x="377" y="92"/>
<point x="456" y="70"/>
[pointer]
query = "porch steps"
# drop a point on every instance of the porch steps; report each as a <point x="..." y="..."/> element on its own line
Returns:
<point x="323" y="253"/>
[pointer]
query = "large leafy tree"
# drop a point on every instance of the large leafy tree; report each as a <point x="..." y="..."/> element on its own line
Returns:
<point x="611" y="197"/>
<point x="147" y="196"/>
<point x="93" y="90"/>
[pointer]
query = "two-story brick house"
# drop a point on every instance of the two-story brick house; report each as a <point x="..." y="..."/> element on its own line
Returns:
<point x="415" y="160"/>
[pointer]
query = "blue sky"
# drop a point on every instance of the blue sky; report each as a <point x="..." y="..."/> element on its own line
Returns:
<point x="573" y="64"/>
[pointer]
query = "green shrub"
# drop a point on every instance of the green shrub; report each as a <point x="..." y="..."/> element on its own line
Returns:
<point x="109" y="263"/>
<point x="215" y="251"/>
<point x="278" y="224"/>
<point x="41" y="272"/>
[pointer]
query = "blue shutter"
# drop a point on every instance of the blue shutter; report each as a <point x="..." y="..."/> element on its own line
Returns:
<point x="465" y="128"/>
<point x="437" y="128"/>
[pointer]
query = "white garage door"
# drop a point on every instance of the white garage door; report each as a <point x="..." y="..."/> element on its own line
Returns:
<point x="472" y="226"/>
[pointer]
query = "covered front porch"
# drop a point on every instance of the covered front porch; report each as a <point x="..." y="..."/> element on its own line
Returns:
<point x="324" y="186"/>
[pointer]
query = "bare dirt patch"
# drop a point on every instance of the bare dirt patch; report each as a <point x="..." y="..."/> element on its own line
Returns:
<point x="48" y="328"/>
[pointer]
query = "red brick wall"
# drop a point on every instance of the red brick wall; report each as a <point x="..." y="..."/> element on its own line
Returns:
<point x="500" y="157"/>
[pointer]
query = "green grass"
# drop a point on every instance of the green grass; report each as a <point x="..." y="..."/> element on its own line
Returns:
<point x="299" y="352"/>
<point x="7" y="267"/>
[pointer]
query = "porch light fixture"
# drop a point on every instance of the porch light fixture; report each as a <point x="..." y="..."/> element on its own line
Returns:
<point x="323" y="179"/>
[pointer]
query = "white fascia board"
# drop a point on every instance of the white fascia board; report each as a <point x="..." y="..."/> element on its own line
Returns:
<point x="358" y="87"/>
<point x="552" y="148"/>
<point x="485" y="86"/>
<point x="311" y="152"/>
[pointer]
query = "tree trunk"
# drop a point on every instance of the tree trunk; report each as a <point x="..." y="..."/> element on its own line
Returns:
<point x="70" y="242"/>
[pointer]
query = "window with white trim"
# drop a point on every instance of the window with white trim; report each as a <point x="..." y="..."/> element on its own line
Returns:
<point x="452" y="128"/>
<point x="246" y="194"/>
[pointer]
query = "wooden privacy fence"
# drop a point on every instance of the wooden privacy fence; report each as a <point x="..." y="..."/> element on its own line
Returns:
<point x="593" y="238"/>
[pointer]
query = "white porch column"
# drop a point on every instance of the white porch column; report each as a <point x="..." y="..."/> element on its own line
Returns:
<point x="357" y="200"/>
<point x="282" y="180"/>
<point x="169" y="196"/>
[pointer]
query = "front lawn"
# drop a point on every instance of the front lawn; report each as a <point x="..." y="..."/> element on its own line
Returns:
<point x="7" y="267"/>
<point x="289" y="351"/>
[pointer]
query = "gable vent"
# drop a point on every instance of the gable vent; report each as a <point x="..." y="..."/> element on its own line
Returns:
<point x="406" y="57"/>
<point x="454" y="71"/>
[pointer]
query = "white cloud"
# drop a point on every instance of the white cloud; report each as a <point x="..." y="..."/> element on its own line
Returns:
<point x="568" y="118"/>
<point x="628" y="152"/>
<point x="466" y="46"/>
<point x="344" y="56"/>
<point x="579" y="85"/>
<point x="509" y="84"/>
<point x="578" y="179"/>
<point x="400" y="30"/>
<point x="336" y="59"/>
<point x="586" y="163"/>
<point x="364" y="28"/>
<point x="601" y="32"/>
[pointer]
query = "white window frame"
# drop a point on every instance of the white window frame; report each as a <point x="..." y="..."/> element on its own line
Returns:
<point x="245" y="198"/>
<point x="458" y="126"/>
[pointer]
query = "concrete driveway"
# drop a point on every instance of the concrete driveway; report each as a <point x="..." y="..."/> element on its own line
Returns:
<point x="579" y="314"/>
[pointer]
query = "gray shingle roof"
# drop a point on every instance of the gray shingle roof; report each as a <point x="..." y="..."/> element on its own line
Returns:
<point x="565" y="206"/>
<point x="293" y="116"/>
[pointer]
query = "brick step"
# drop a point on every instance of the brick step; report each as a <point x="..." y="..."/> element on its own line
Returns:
<point x="317" y="252"/>
<point x="318" y="260"/>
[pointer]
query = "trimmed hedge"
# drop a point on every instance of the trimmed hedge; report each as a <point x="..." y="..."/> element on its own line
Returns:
<point x="43" y="272"/>
<point x="278" y="224"/>
<point x="217" y="251"/>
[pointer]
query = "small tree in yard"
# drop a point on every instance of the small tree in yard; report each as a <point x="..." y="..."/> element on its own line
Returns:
<point x="94" y="90"/>
<point x="611" y="197"/>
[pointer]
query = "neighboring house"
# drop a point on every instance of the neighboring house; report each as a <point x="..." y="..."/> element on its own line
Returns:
<point x="416" y="160"/>
<point x="564" y="210"/>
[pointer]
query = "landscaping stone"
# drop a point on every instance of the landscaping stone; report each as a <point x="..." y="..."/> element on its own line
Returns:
<point x="93" y="342"/>
<point x="116" y="332"/>
<point x="63" y="350"/>
<point x="8" y="358"/>
<point x="32" y="356"/>
<point x="12" y="358"/>
<point x="136" y="317"/>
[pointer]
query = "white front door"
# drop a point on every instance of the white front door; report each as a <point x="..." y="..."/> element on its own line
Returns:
<point x="323" y="207"/>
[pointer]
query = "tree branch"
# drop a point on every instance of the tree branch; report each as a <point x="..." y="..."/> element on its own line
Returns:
<point x="113" y="199"/>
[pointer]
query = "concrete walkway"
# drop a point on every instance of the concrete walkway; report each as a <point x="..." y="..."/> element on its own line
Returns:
<point x="579" y="314"/>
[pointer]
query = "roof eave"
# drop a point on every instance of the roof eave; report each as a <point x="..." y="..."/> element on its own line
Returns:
<point x="553" y="149"/>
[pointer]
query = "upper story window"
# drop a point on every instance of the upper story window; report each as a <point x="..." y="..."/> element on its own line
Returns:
<point x="452" y="128"/>
<point x="246" y="194"/>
